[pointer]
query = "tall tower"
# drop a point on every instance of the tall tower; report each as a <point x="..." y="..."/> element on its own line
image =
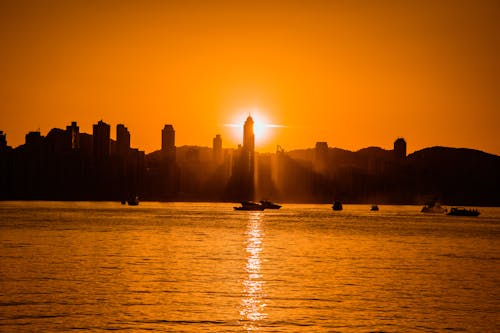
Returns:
<point x="73" y="136"/>
<point x="248" y="135"/>
<point x="101" y="142"/>
<point x="167" y="183"/>
<point x="247" y="158"/>
<point x="217" y="149"/>
<point x="3" y="140"/>
<point x="400" y="148"/>
<point x="321" y="157"/>
<point x="167" y="138"/>
<point x="122" y="139"/>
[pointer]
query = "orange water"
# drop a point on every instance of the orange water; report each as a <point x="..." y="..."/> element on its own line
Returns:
<point x="199" y="267"/>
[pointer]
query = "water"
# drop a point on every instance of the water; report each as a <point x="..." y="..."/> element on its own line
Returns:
<point x="195" y="267"/>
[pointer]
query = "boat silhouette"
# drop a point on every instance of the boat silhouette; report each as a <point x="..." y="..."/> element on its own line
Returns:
<point x="460" y="211"/>
<point x="250" y="205"/>
<point x="337" y="205"/>
<point x="269" y="205"/>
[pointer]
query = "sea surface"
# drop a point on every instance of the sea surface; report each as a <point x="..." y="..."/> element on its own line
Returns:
<point x="202" y="267"/>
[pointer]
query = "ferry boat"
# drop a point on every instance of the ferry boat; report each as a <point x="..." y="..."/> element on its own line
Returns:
<point x="374" y="208"/>
<point x="337" y="205"/>
<point x="249" y="205"/>
<point x="433" y="208"/>
<point x="133" y="201"/>
<point x="460" y="211"/>
<point x="269" y="205"/>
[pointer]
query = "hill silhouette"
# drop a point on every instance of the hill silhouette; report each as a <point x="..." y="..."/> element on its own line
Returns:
<point x="457" y="176"/>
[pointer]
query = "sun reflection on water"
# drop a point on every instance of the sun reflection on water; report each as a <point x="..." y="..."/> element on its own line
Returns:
<point x="253" y="297"/>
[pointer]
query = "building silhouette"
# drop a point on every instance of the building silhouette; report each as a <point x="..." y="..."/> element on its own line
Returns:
<point x="248" y="148"/>
<point x="217" y="149"/>
<point x="248" y="152"/>
<point x="72" y="136"/>
<point x="3" y="141"/>
<point x="33" y="138"/>
<point x="248" y="135"/>
<point x="321" y="157"/>
<point x="122" y="139"/>
<point x="69" y="165"/>
<point x="163" y="174"/>
<point x="167" y="138"/>
<point x="241" y="184"/>
<point x="101" y="140"/>
<point x="400" y="148"/>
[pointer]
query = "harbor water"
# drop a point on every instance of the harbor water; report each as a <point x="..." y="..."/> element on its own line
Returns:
<point x="203" y="267"/>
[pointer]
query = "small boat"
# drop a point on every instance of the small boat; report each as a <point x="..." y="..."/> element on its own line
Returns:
<point x="460" y="211"/>
<point x="249" y="205"/>
<point x="269" y="205"/>
<point x="433" y="208"/>
<point x="337" y="205"/>
<point x="133" y="201"/>
<point x="374" y="208"/>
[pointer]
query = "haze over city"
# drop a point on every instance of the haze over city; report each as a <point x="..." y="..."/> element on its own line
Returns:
<point x="354" y="74"/>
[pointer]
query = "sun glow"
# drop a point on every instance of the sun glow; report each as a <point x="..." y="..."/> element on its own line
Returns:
<point x="263" y="128"/>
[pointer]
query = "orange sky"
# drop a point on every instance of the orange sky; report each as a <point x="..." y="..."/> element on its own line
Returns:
<point x="353" y="73"/>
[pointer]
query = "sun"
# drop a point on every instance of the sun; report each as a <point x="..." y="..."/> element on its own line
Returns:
<point x="262" y="128"/>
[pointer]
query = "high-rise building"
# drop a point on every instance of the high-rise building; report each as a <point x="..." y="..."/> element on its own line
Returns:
<point x="400" y="148"/>
<point x="167" y="182"/>
<point x="3" y="140"/>
<point x="33" y="138"/>
<point x="248" y="159"/>
<point x="217" y="149"/>
<point x="321" y="157"/>
<point x="167" y="138"/>
<point x="122" y="139"/>
<point x="101" y="140"/>
<point x="73" y="136"/>
<point x="248" y="135"/>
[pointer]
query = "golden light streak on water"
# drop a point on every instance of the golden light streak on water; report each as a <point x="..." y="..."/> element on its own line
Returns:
<point x="253" y="297"/>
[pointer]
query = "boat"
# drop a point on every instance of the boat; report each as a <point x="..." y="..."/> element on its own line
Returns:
<point x="337" y="205"/>
<point x="250" y="205"/>
<point x="133" y="201"/>
<point x="269" y="205"/>
<point x="374" y="208"/>
<point x="433" y="208"/>
<point x="460" y="211"/>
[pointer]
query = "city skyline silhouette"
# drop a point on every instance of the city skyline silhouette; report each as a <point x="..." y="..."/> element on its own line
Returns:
<point x="72" y="165"/>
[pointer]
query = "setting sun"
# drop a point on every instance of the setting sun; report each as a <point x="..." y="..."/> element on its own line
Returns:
<point x="264" y="129"/>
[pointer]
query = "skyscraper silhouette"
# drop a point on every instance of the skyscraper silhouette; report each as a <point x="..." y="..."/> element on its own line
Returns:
<point x="167" y="138"/>
<point x="248" y="135"/>
<point x="321" y="157"/>
<point x="217" y="149"/>
<point x="101" y="142"/>
<point x="73" y="136"/>
<point x="400" y="148"/>
<point x="248" y="159"/>
<point x="166" y="177"/>
<point x="122" y="139"/>
<point x="3" y="140"/>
